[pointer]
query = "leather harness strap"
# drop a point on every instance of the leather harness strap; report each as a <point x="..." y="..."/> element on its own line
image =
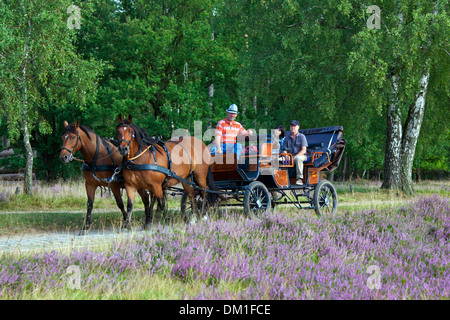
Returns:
<point x="130" y="165"/>
<point x="94" y="167"/>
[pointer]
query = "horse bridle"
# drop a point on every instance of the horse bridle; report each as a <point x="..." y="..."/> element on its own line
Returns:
<point x="133" y="135"/>
<point x="71" y="152"/>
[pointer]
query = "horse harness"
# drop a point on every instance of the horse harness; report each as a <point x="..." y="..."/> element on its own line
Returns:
<point x="94" y="167"/>
<point x="130" y="165"/>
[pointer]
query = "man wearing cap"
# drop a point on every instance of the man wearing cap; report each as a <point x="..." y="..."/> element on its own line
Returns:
<point x="226" y="132"/>
<point x="296" y="141"/>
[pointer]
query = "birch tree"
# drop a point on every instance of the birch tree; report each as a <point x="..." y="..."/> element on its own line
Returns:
<point x="39" y="68"/>
<point x="408" y="48"/>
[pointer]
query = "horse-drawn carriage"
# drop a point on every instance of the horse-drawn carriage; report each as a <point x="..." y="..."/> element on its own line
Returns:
<point x="256" y="180"/>
<point x="260" y="180"/>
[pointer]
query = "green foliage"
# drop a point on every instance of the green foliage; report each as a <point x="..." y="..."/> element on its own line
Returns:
<point x="320" y="63"/>
<point x="55" y="76"/>
<point x="277" y="60"/>
<point x="163" y="59"/>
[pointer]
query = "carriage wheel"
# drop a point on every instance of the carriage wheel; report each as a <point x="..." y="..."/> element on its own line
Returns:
<point x="325" y="198"/>
<point x="256" y="199"/>
<point x="186" y="208"/>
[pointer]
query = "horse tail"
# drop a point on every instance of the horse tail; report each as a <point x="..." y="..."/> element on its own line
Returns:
<point x="211" y="197"/>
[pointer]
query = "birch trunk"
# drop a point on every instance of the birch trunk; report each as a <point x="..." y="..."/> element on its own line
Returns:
<point x="401" y="147"/>
<point x="411" y="135"/>
<point x="28" y="177"/>
<point x="393" y="142"/>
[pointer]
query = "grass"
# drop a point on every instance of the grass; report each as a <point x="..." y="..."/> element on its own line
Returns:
<point x="61" y="206"/>
<point x="278" y="256"/>
<point x="140" y="287"/>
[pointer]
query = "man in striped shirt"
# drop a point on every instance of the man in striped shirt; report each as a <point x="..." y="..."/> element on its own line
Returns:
<point x="227" y="130"/>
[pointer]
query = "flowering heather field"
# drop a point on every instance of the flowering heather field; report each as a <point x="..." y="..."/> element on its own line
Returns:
<point x="280" y="256"/>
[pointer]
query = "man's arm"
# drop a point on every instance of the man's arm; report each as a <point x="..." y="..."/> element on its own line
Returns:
<point x="243" y="132"/>
<point x="218" y="138"/>
<point x="217" y="143"/>
<point x="302" y="152"/>
<point x="304" y="144"/>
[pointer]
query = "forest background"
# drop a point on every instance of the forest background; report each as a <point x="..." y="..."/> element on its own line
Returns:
<point x="379" y="69"/>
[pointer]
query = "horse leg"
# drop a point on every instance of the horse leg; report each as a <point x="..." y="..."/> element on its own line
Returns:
<point x="162" y="203"/>
<point x="131" y="194"/>
<point x="148" y="207"/>
<point x="159" y="196"/>
<point x="115" y="188"/>
<point x="90" y="191"/>
<point x="190" y="191"/>
<point x="201" y="179"/>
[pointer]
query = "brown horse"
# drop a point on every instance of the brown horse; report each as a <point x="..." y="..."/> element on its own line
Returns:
<point x="100" y="160"/>
<point x="187" y="157"/>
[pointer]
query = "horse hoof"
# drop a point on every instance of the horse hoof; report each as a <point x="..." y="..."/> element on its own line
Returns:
<point x="126" y="225"/>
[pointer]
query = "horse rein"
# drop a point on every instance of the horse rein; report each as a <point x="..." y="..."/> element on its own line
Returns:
<point x="72" y="157"/>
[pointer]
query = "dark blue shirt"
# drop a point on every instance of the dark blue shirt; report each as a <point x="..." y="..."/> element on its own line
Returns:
<point x="295" y="144"/>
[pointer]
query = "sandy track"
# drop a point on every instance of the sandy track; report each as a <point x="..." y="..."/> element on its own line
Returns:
<point x="45" y="241"/>
<point x="63" y="240"/>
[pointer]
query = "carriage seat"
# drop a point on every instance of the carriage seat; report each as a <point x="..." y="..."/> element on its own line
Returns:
<point x="322" y="143"/>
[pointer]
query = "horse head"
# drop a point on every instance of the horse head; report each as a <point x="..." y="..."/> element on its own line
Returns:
<point x="71" y="142"/>
<point x="125" y="134"/>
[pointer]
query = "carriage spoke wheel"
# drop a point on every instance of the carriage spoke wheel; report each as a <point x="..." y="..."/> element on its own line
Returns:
<point x="187" y="213"/>
<point x="256" y="199"/>
<point x="325" y="198"/>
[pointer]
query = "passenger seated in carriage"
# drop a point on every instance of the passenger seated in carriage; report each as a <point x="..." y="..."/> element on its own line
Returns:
<point x="227" y="130"/>
<point x="296" y="141"/>
<point x="278" y="139"/>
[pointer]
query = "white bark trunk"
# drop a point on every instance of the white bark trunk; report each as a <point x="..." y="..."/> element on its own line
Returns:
<point x="27" y="184"/>
<point x="408" y="140"/>
<point x="393" y="141"/>
<point x="411" y="134"/>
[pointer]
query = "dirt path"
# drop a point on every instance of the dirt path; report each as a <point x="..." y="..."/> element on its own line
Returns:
<point x="62" y="240"/>
<point x="68" y="240"/>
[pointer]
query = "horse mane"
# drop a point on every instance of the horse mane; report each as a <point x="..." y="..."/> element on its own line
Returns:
<point x="142" y="137"/>
<point x="71" y="129"/>
<point x="112" y="141"/>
